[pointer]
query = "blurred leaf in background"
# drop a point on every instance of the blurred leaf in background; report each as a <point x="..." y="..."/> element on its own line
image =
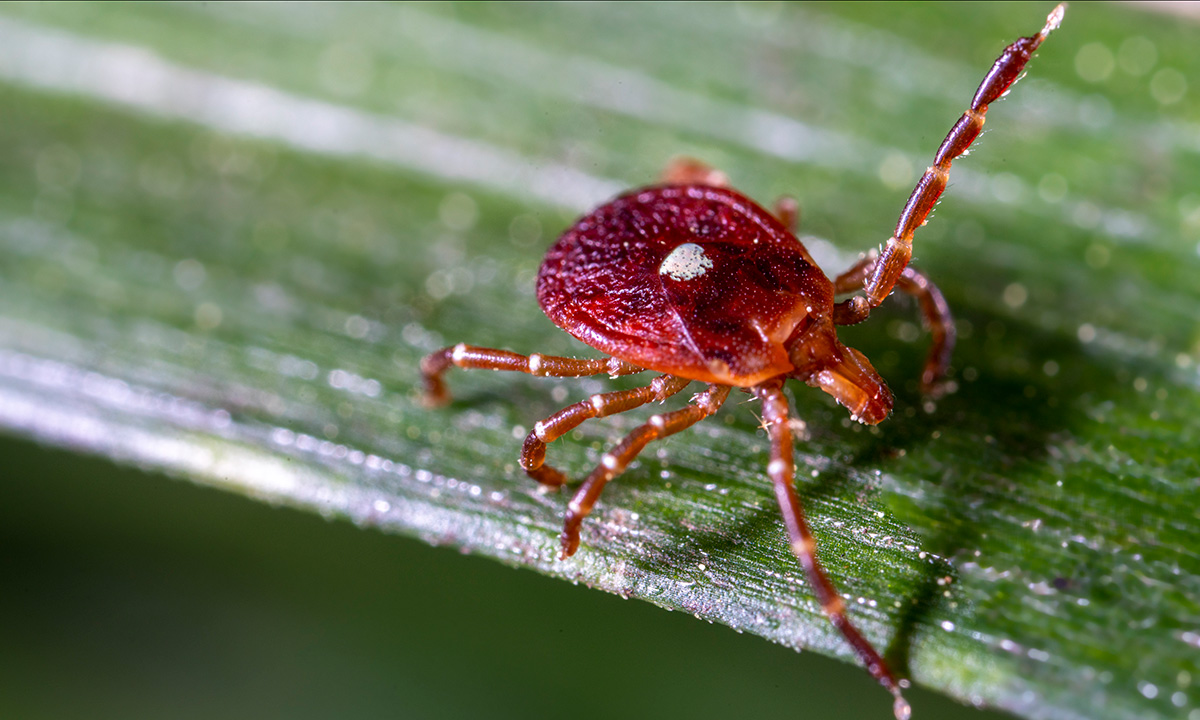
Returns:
<point x="229" y="232"/>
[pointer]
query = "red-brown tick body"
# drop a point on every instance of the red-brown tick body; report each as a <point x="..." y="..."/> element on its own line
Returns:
<point x="701" y="282"/>
<point x="695" y="281"/>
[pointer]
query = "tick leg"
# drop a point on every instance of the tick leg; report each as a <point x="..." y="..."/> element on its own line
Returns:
<point x="533" y="454"/>
<point x="999" y="79"/>
<point x="615" y="461"/>
<point x="461" y="355"/>
<point x="690" y="171"/>
<point x="781" y="469"/>
<point x="788" y="212"/>
<point x="934" y="309"/>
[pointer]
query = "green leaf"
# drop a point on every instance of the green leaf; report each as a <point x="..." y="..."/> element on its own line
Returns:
<point x="228" y="234"/>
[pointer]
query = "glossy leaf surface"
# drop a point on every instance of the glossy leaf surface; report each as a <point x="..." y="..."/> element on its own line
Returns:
<point x="228" y="234"/>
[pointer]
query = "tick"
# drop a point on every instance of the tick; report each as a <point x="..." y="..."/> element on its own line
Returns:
<point x="693" y="280"/>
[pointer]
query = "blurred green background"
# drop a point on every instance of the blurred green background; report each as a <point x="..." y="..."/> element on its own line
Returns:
<point x="229" y="232"/>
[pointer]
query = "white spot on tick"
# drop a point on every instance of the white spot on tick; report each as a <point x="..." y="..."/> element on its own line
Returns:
<point x="686" y="262"/>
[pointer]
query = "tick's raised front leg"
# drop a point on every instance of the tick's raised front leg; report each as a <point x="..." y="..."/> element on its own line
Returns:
<point x="1005" y="71"/>
<point x="781" y="469"/>
<point x="934" y="309"/>
<point x="533" y="454"/>
<point x="465" y="356"/>
<point x="614" y="462"/>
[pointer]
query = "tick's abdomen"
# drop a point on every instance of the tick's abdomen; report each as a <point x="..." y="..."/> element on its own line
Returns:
<point x="690" y="280"/>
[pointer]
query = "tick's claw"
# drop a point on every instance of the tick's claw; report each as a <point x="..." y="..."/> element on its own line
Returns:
<point x="435" y="396"/>
<point x="570" y="543"/>
<point x="935" y="389"/>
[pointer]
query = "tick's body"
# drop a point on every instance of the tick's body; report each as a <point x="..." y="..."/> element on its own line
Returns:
<point x="694" y="280"/>
<point x="691" y="280"/>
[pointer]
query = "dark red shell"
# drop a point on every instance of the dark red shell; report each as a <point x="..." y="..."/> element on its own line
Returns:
<point x="720" y="312"/>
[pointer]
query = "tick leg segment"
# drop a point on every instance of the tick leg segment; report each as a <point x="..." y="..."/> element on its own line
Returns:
<point x="1003" y="74"/>
<point x="616" y="460"/>
<point x="533" y="454"/>
<point x="465" y="356"/>
<point x="690" y="171"/>
<point x="788" y="212"/>
<point x="934" y="309"/>
<point x="781" y="469"/>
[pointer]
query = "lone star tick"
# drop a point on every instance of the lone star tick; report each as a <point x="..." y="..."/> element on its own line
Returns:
<point x="694" y="280"/>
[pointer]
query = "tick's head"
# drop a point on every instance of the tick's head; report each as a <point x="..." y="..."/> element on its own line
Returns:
<point x="855" y="384"/>
<point x="821" y="360"/>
